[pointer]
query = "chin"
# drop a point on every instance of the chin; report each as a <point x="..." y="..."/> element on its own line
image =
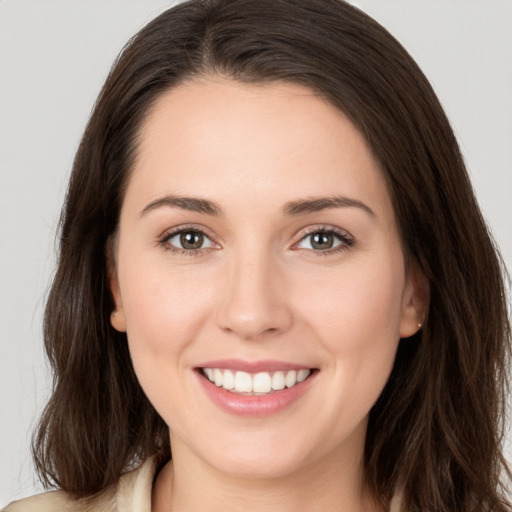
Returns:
<point x="260" y="456"/>
<point x="259" y="467"/>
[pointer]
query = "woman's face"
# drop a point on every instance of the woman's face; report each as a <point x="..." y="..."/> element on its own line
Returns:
<point x="257" y="247"/>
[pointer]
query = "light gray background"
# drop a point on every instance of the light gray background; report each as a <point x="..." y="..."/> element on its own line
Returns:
<point x="54" y="56"/>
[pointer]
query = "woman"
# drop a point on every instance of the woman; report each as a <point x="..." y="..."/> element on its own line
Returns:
<point x="272" y="266"/>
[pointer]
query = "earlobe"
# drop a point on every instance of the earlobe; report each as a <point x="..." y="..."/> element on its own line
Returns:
<point x="117" y="317"/>
<point x="117" y="320"/>
<point x="415" y="302"/>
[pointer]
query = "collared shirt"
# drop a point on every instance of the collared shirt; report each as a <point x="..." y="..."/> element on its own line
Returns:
<point x="131" y="494"/>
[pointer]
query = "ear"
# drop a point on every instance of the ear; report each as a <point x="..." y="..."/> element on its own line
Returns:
<point x="117" y="317"/>
<point x="415" y="301"/>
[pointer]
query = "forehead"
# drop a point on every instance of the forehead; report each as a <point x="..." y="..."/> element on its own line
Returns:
<point x="216" y="137"/>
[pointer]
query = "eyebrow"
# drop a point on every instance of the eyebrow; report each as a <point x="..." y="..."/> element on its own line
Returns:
<point x="192" y="204"/>
<point x="305" y="206"/>
<point x="293" y="208"/>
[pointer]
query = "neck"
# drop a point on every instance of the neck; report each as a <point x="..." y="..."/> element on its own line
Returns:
<point x="331" y="483"/>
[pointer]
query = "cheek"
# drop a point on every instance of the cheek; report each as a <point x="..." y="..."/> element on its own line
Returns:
<point x="356" y="316"/>
<point x="165" y="309"/>
<point x="359" y="305"/>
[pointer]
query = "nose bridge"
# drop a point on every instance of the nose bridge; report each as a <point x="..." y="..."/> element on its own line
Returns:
<point x="254" y="302"/>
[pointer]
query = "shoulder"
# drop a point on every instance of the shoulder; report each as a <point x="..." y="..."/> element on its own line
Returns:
<point x="131" y="494"/>
<point x="60" y="501"/>
<point x="55" y="501"/>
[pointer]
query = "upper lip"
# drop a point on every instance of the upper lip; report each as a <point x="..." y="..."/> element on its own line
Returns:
<point x="252" y="366"/>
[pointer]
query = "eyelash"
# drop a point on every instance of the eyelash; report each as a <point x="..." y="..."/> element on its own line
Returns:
<point x="346" y="241"/>
<point x="164" y="241"/>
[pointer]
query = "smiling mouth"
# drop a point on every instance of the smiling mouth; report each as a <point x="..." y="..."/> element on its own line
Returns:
<point x="255" y="384"/>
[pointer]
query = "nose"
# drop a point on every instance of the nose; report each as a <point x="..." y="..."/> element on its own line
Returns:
<point x="254" y="303"/>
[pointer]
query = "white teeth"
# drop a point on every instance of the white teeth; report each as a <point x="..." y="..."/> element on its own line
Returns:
<point x="278" y="381"/>
<point x="260" y="383"/>
<point x="243" y="382"/>
<point x="218" y="377"/>
<point x="290" y="379"/>
<point x="302" y="375"/>
<point x="229" y="380"/>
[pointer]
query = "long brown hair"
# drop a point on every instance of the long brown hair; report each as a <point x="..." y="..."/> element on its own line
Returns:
<point x="436" y="430"/>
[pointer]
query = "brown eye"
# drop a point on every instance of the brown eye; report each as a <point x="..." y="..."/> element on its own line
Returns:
<point x="191" y="240"/>
<point x="322" y="241"/>
<point x="187" y="240"/>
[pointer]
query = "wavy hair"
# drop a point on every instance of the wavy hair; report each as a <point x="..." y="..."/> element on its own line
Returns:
<point x="436" y="430"/>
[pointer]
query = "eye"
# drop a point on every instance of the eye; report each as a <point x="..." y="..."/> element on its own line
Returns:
<point x="325" y="240"/>
<point x="187" y="240"/>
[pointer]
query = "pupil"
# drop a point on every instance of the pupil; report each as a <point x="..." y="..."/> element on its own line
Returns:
<point x="322" y="241"/>
<point x="191" y="240"/>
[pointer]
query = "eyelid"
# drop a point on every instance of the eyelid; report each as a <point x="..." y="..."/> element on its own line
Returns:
<point x="176" y="230"/>
<point x="346" y="239"/>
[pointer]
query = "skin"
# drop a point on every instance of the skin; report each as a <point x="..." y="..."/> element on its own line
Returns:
<point x="259" y="290"/>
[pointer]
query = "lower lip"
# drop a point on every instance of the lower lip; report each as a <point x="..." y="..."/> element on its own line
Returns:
<point x="253" y="405"/>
